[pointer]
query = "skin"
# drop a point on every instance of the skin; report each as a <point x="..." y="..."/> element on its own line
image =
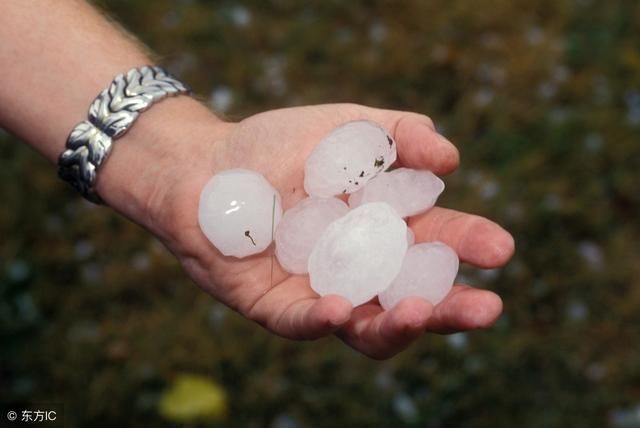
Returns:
<point x="156" y="172"/>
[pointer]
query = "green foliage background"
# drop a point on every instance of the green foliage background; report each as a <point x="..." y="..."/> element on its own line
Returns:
<point x="542" y="99"/>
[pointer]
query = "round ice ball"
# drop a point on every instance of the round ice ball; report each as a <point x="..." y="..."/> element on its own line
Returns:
<point x="358" y="255"/>
<point x="300" y="229"/>
<point x="347" y="158"/>
<point x="409" y="191"/>
<point x="238" y="212"/>
<point x="428" y="271"/>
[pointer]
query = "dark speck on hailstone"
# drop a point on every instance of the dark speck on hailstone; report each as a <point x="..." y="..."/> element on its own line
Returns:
<point x="248" y="235"/>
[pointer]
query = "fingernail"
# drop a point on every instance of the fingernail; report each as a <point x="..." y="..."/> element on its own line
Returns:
<point x="447" y="154"/>
<point x="442" y="139"/>
<point x="337" y="321"/>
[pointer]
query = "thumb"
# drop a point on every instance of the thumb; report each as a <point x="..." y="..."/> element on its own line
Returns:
<point x="420" y="146"/>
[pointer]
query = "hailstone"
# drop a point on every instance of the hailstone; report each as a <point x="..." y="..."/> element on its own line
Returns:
<point x="239" y="211"/>
<point x="411" y="237"/>
<point x="428" y="271"/>
<point x="409" y="191"/>
<point x="347" y="158"/>
<point x="300" y="228"/>
<point x="358" y="255"/>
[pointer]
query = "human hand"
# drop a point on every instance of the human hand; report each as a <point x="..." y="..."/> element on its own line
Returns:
<point x="276" y="144"/>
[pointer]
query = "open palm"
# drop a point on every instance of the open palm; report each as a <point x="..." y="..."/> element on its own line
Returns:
<point x="276" y="144"/>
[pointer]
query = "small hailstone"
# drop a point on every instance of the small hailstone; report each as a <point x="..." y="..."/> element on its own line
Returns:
<point x="238" y="212"/>
<point x="428" y="271"/>
<point x="300" y="229"/>
<point x="358" y="255"/>
<point x="411" y="237"/>
<point x="347" y="158"/>
<point x="409" y="191"/>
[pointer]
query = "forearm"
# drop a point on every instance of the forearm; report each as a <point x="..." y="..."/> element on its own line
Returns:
<point x="55" y="57"/>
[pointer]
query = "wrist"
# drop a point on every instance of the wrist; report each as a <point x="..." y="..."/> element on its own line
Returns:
<point x="149" y="160"/>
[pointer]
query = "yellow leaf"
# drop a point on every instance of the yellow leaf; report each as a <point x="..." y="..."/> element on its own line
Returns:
<point x="191" y="398"/>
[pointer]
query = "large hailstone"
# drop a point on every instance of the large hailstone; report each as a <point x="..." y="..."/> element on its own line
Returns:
<point x="300" y="229"/>
<point x="358" y="255"/>
<point x="409" y="191"/>
<point x="347" y="158"/>
<point x="428" y="271"/>
<point x="238" y="212"/>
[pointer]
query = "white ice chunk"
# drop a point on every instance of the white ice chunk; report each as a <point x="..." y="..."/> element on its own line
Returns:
<point x="358" y="255"/>
<point x="237" y="210"/>
<point x="347" y="158"/>
<point x="409" y="191"/>
<point x="411" y="237"/>
<point x="300" y="229"/>
<point x="428" y="271"/>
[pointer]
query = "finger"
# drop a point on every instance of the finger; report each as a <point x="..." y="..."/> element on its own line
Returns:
<point x="420" y="146"/>
<point x="465" y="308"/>
<point x="291" y="309"/>
<point x="477" y="240"/>
<point x="316" y="318"/>
<point x="381" y="334"/>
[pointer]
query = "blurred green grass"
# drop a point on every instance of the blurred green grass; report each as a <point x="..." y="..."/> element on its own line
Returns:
<point x="543" y="100"/>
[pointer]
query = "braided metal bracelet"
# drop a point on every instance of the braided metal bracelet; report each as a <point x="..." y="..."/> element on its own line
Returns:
<point x="111" y="114"/>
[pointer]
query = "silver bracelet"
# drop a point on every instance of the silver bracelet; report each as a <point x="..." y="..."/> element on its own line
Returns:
<point x="111" y="114"/>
